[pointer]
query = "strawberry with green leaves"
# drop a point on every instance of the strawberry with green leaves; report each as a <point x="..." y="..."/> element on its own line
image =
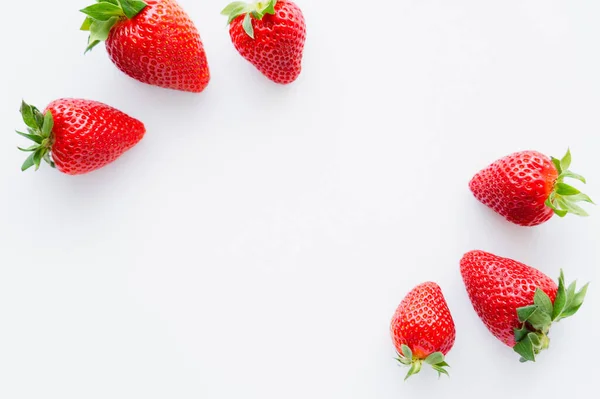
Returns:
<point x="270" y="34"/>
<point x="78" y="136"/>
<point x="422" y="329"/>
<point x="528" y="187"/>
<point x="516" y="302"/>
<point x="152" y="41"/>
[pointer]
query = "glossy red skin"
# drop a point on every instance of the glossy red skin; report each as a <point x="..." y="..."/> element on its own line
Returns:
<point x="278" y="43"/>
<point x="517" y="187"/>
<point x="499" y="286"/>
<point x="162" y="47"/>
<point x="423" y="322"/>
<point x="88" y="135"/>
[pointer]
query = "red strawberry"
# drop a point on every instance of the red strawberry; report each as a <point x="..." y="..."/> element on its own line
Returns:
<point x="527" y="188"/>
<point x="154" y="42"/>
<point x="78" y="136"/>
<point x="422" y="329"/>
<point x="516" y="302"/>
<point x="271" y="35"/>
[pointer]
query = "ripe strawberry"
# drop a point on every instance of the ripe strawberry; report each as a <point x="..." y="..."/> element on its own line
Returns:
<point x="271" y="35"/>
<point x="78" y="136"/>
<point x="516" y="302"/>
<point x="422" y="329"/>
<point x="527" y="188"/>
<point x="153" y="41"/>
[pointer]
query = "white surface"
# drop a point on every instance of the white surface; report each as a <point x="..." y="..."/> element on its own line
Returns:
<point x="258" y="240"/>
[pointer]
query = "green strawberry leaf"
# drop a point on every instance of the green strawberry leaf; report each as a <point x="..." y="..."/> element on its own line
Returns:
<point x="556" y="163"/>
<point x="247" y="24"/>
<point x="565" y="162"/>
<point x="403" y="360"/>
<point x="435" y="358"/>
<point x="131" y="8"/>
<point x="575" y="304"/>
<point x="542" y="300"/>
<point x="535" y="340"/>
<point x="407" y="352"/>
<point x="28" y="162"/>
<point x="565" y="189"/>
<point x="28" y="117"/>
<point x="103" y="11"/>
<point x="414" y="369"/>
<point x="440" y="370"/>
<point x="520" y="333"/>
<point x="581" y="197"/>
<point x="47" y="125"/>
<point x="526" y="312"/>
<point x="39" y="117"/>
<point x="540" y="320"/>
<point x="561" y="297"/>
<point x="87" y="24"/>
<point x="99" y="31"/>
<point x="37" y="157"/>
<point x="572" y="175"/>
<point x="232" y="8"/>
<point x="29" y="149"/>
<point x="571" y="207"/>
<point x="525" y="349"/>
<point x="33" y="137"/>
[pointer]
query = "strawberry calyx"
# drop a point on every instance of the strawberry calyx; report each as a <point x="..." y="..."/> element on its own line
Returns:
<point x="105" y="14"/>
<point x="536" y="319"/>
<point x="435" y="360"/>
<point x="251" y="10"/>
<point x="39" y="130"/>
<point x="564" y="198"/>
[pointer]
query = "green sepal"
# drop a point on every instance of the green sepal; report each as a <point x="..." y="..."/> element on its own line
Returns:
<point x="102" y="16"/>
<point x="249" y="10"/>
<point x="33" y="137"/>
<point x="99" y="32"/>
<point x="40" y="132"/>
<point x="414" y="369"/>
<point x="525" y="349"/>
<point x="407" y="352"/>
<point x="86" y="25"/>
<point x="532" y="337"/>
<point x="562" y="200"/>
<point x="103" y="11"/>
<point x="247" y="24"/>
<point x="435" y="360"/>
<point x="520" y="333"/>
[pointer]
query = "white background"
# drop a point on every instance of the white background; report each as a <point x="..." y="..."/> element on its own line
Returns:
<point x="256" y="243"/>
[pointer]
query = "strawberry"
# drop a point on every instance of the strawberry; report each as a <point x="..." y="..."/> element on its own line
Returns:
<point x="153" y="41"/>
<point x="271" y="35"/>
<point x="527" y="188"/>
<point x="422" y="329"/>
<point x="516" y="302"/>
<point x="78" y="136"/>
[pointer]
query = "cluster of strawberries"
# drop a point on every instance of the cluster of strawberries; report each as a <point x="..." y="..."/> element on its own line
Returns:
<point x="155" y="42"/>
<point x="516" y="302"/>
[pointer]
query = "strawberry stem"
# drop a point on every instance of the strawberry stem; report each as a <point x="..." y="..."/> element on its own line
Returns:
<point x="102" y="16"/>
<point x="39" y="128"/>
<point x="536" y="319"/>
<point x="435" y="360"/>
<point x="564" y="198"/>
<point x="249" y="10"/>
